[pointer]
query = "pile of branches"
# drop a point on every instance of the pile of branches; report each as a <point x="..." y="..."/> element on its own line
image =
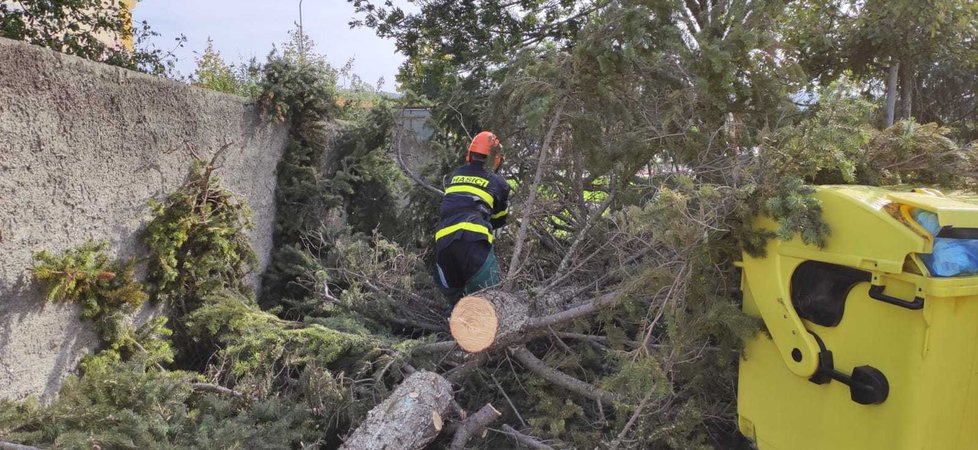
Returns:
<point x="617" y="324"/>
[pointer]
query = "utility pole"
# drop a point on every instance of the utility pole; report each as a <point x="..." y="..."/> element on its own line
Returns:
<point x="302" y="37"/>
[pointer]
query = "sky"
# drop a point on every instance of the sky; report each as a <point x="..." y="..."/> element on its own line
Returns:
<point x="245" y="28"/>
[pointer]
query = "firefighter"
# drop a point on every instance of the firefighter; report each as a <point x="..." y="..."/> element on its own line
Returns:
<point x="475" y="204"/>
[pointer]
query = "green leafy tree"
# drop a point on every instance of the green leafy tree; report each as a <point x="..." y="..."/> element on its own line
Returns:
<point x="214" y="73"/>
<point x="907" y="49"/>
<point x="78" y="27"/>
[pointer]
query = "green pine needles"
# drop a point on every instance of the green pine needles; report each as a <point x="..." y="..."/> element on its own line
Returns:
<point x="107" y="292"/>
<point x="198" y="242"/>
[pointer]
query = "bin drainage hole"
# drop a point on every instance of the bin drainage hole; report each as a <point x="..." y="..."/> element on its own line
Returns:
<point x="796" y="354"/>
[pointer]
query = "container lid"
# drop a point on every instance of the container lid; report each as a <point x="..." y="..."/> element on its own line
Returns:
<point x="950" y="212"/>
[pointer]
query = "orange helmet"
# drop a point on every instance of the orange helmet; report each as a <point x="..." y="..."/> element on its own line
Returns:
<point x="482" y="144"/>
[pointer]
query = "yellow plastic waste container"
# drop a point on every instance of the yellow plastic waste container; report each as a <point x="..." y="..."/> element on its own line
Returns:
<point x="862" y="348"/>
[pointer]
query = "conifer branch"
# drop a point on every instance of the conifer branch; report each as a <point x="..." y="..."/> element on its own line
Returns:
<point x="631" y="421"/>
<point x="524" y="439"/>
<point x="216" y="389"/>
<point x="559" y="273"/>
<point x="540" y="368"/>
<point x="476" y="422"/>
<point x="455" y="375"/>
<point x="573" y="313"/>
<point x="531" y="201"/>
<point x="12" y="446"/>
<point x="407" y="171"/>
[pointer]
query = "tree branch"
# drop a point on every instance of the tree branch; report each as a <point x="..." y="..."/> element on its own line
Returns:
<point x="216" y="389"/>
<point x="436" y="347"/>
<point x="573" y="313"/>
<point x="476" y="360"/>
<point x="528" y="208"/>
<point x="558" y="274"/>
<point x="407" y="171"/>
<point x="12" y="446"/>
<point x="561" y="379"/>
<point x="474" y="424"/>
<point x="631" y="421"/>
<point x="506" y="396"/>
<point x="526" y="440"/>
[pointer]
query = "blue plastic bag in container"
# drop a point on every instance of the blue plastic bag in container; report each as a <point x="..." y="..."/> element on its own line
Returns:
<point x="951" y="256"/>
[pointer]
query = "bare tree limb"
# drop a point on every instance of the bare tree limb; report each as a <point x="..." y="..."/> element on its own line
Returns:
<point x="561" y="379"/>
<point x="418" y="324"/>
<point x="474" y="329"/>
<point x="407" y="171"/>
<point x="573" y="313"/>
<point x="558" y="274"/>
<point x="506" y="396"/>
<point x="12" y="446"/>
<point x="528" y="207"/>
<point x="474" y="424"/>
<point x="631" y="421"/>
<point x="475" y="361"/>
<point x="524" y="439"/>
<point x="216" y="389"/>
<point x="436" y="347"/>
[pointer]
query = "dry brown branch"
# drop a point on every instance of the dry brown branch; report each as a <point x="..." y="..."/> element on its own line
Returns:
<point x="561" y="379"/>
<point x="474" y="424"/>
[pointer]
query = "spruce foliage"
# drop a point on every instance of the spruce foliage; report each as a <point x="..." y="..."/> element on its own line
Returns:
<point x="107" y="292"/>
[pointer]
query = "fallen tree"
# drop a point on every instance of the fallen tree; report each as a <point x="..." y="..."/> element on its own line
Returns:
<point x="494" y="319"/>
<point x="410" y="418"/>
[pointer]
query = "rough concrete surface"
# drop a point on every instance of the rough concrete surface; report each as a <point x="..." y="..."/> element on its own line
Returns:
<point x="83" y="146"/>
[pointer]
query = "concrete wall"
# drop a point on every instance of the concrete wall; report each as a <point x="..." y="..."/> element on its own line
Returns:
<point x="83" y="146"/>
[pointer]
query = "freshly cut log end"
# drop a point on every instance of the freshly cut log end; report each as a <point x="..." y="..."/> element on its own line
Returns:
<point x="488" y="321"/>
<point x="474" y="323"/>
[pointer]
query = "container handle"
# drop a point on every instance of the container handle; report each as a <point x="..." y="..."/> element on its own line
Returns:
<point x="876" y="292"/>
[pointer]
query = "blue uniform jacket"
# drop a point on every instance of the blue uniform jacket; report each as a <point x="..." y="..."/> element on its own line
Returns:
<point x="475" y="203"/>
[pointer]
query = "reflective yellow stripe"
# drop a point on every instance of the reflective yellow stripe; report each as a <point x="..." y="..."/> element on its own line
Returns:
<point x="467" y="226"/>
<point x="485" y="196"/>
<point x="500" y="213"/>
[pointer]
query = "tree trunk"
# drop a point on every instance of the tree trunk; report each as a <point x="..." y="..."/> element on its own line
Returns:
<point x="891" y="93"/>
<point x="906" y="91"/>
<point x="407" y="420"/>
<point x="495" y="319"/>
<point x="488" y="320"/>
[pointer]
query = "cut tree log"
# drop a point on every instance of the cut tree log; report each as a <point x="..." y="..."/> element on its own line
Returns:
<point x="407" y="420"/>
<point x="495" y="319"/>
<point x="484" y="321"/>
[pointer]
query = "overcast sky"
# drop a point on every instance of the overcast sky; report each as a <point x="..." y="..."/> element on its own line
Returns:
<point x="245" y="28"/>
